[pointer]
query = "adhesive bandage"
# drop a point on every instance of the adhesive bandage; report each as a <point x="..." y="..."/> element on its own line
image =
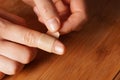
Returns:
<point x="46" y="42"/>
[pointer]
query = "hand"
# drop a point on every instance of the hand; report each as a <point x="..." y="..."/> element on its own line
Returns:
<point x="60" y="15"/>
<point x="17" y="42"/>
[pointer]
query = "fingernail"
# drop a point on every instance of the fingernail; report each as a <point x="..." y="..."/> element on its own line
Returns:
<point x="56" y="34"/>
<point x="53" y="24"/>
<point x="59" y="48"/>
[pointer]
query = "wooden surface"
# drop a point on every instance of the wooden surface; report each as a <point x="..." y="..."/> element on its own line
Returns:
<point x="92" y="54"/>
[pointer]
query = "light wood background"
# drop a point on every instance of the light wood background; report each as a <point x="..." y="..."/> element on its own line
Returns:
<point x="92" y="53"/>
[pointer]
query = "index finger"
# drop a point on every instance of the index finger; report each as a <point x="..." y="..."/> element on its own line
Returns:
<point x="77" y="17"/>
<point x="28" y="37"/>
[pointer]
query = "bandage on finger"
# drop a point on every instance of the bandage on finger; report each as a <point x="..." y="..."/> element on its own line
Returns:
<point x="46" y="42"/>
<point x="22" y="35"/>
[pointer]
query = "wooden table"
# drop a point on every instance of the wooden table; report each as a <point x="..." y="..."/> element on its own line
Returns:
<point x="92" y="53"/>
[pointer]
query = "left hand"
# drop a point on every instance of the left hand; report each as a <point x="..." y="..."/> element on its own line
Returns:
<point x="18" y="44"/>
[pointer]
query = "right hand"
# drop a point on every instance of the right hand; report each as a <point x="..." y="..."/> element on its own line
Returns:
<point x="17" y="42"/>
<point x="62" y="16"/>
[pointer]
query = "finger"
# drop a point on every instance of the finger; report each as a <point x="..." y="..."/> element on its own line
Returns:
<point x="1" y="75"/>
<point x="8" y="66"/>
<point x="29" y="2"/>
<point x="49" y="14"/>
<point x="77" y="18"/>
<point x="66" y="1"/>
<point x="11" y="17"/>
<point x="31" y="38"/>
<point x="17" y="52"/>
<point x="37" y="13"/>
<point x="61" y="8"/>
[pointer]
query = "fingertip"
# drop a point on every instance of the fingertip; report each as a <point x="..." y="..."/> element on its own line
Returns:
<point x="53" y="24"/>
<point x="58" y="48"/>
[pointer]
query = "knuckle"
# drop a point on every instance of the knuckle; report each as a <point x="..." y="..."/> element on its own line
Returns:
<point x="45" y="9"/>
<point x="83" y="15"/>
<point x="85" y="18"/>
<point x="28" y="57"/>
<point x="14" y="68"/>
<point x="29" y="38"/>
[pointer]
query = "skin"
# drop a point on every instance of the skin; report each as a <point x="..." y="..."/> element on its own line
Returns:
<point x="17" y="43"/>
<point x="69" y="14"/>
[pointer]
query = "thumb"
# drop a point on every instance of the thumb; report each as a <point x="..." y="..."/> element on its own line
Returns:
<point x="48" y="13"/>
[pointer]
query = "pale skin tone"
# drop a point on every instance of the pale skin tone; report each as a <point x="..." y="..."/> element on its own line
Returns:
<point x="18" y="44"/>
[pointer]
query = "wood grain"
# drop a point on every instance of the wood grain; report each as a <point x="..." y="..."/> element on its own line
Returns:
<point x="92" y="53"/>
